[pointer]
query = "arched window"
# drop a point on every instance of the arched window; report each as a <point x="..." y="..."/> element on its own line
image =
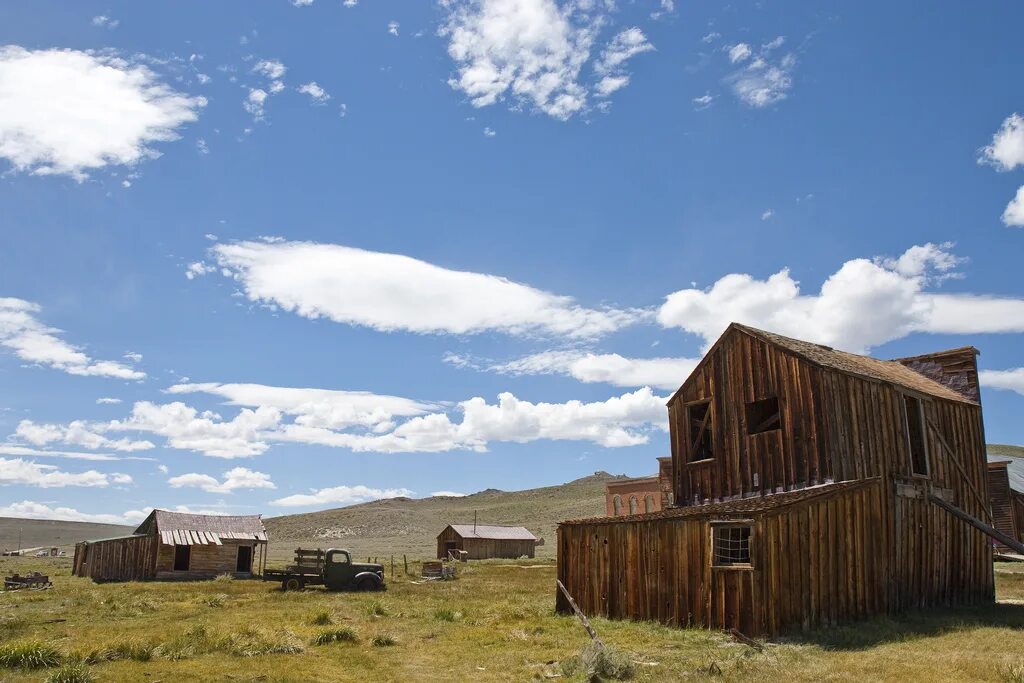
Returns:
<point x="648" y="503"/>
<point x="617" y="505"/>
<point x="633" y="505"/>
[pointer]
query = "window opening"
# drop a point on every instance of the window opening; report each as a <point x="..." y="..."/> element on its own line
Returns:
<point x="731" y="545"/>
<point x="915" y="435"/>
<point x="698" y="420"/>
<point x="764" y="415"/>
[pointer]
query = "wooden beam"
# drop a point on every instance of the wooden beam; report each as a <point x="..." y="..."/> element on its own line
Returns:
<point x="579" y="613"/>
<point x="978" y="524"/>
<point x="952" y="457"/>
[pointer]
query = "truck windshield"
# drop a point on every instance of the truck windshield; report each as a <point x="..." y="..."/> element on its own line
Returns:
<point x="339" y="558"/>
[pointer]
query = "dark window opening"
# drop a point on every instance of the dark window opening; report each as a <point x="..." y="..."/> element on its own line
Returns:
<point x="244" y="564"/>
<point x="916" y="435"/>
<point x="764" y="415"/>
<point x="182" y="557"/>
<point x="731" y="545"/>
<point x="698" y="420"/>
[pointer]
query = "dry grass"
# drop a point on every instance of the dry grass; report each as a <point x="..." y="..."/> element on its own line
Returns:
<point x="505" y="630"/>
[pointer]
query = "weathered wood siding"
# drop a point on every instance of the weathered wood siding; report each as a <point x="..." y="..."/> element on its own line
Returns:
<point x="1017" y="507"/>
<point x="205" y="562"/>
<point x="120" y="559"/>
<point x="485" y="548"/>
<point x="1000" y="501"/>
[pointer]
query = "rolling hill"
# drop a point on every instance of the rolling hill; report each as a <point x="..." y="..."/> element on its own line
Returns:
<point x="49" y="532"/>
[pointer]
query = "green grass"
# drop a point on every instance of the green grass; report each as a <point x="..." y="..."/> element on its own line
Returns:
<point x="494" y="623"/>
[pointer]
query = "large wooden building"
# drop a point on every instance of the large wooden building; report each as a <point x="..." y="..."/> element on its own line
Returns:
<point x="811" y="486"/>
<point x="485" y="541"/>
<point x="173" y="545"/>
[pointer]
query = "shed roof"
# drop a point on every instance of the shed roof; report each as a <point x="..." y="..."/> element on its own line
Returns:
<point x="179" y="528"/>
<point x="756" y="504"/>
<point x="1014" y="469"/>
<point x="890" y="371"/>
<point x="492" y="532"/>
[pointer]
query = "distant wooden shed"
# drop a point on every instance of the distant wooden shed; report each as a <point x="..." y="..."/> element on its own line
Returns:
<point x="1006" y="496"/>
<point x="484" y="541"/>
<point x="174" y="545"/>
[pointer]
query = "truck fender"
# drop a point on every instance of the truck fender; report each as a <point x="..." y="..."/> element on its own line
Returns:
<point x="367" y="575"/>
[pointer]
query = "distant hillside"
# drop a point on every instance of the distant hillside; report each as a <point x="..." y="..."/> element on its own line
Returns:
<point x="1004" y="449"/>
<point x="49" y="532"/>
<point x="404" y="525"/>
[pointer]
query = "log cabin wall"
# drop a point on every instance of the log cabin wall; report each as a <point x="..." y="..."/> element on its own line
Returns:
<point x="205" y="561"/>
<point x="119" y="559"/>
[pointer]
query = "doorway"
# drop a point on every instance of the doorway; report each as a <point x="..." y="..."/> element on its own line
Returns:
<point x="244" y="559"/>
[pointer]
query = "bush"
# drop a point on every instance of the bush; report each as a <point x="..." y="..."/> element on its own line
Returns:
<point x="599" y="662"/>
<point x="384" y="640"/>
<point x="126" y="649"/>
<point x="343" y="634"/>
<point x="29" y="655"/>
<point x="214" y="600"/>
<point x="224" y="578"/>
<point x="377" y="609"/>
<point x="1012" y="673"/>
<point x="447" y="614"/>
<point x="319" y="617"/>
<point x="195" y="641"/>
<point x="76" y="672"/>
<point x="250" y="642"/>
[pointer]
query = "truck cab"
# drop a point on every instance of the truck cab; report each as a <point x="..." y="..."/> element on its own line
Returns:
<point x="341" y="573"/>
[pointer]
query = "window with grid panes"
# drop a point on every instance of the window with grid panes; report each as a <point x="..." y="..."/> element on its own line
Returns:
<point x="731" y="544"/>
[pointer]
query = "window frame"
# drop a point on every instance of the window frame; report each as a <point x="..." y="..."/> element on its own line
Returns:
<point x="747" y="406"/>
<point x="690" y="452"/>
<point x="923" y="422"/>
<point x="719" y="525"/>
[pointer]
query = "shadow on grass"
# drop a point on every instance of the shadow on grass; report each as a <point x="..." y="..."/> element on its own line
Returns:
<point x="911" y="625"/>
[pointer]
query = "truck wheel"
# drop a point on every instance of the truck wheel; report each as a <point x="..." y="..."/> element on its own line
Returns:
<point x="292" y="584"/>
<point x="367" y="584"/>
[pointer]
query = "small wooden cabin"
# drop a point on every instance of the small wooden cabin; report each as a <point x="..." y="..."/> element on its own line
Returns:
<point x="1006" y="496"/>
<point x="811" y="486"/>
<point x="640" y="494"/>
<point x="174" y="545"/>
<point x="485" y="541"/>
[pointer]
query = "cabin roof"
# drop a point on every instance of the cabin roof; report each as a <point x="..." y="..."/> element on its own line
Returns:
<point x="891" y="371"/>
<point x="202" y="529"/>
<point x="492" y="532"/>
<point x="1014" y="470"/>
<point x="753" y="505"/>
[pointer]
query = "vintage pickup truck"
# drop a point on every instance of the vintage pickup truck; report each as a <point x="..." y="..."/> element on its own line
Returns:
<point x="333" y="569"/>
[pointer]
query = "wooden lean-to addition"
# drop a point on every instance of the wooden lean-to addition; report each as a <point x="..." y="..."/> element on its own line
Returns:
<point x="805" y="483"/>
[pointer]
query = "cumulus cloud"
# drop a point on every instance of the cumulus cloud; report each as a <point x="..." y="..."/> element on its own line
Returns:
<point x="234" y="479"/>
<point x="315" y="92"/>
<point x="1006" y="151"/>
<point x="447" y="494"/>
<point x="103" y="21"/>
<point x="864" y="304"/>
<point x="76" y="433"/>
<point x="611" y="65"/>
<point x="341" y="495"/>
<point x="28" y="509"/>
<point x="703" y="102"/>
<point x="739" y="53"/>
<point x="390" y="292"/>
<point x="1013" y="216"/>
<point x="25" y="451"/>
<point x="36" y="343"/>
<point x="70" y="112"/>
<point x="531" y="52"/>
<point x="393" y="28"/>
<point x="761" y="80"/>
<point x="610" y="368"/>
<point x="29" y="473"/>
<point x="1009" y="380"/>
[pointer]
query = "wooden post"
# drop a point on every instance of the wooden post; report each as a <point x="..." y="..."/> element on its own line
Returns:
<point x="405" y="563"/>
<point x="392" y="566"/>
<point x="579" y="613"/>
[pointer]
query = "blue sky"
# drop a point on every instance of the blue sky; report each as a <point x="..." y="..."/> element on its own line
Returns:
<point x="283" y="256"/>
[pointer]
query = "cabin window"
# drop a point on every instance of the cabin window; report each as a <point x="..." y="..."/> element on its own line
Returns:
<point x="916" y="435"/>
<point x="634" y="505"/>
<point x="617" y="505"/>
<point x="698" y="420"/>
<point x="731" y="544"/>
<point x="648" y="503"/>
<point x="182" y="557"/>
<point x="764" y="415"/>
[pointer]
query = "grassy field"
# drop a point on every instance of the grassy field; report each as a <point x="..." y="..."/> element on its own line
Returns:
<point x="494" y="623"/>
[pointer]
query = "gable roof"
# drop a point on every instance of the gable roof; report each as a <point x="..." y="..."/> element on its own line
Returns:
<point x="1014" y="470"/>
<point x="492" y="532"/>
<point x="179" y="528"/>
<point x="889" y="371"/>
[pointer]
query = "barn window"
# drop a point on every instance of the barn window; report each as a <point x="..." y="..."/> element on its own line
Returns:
<point x="698" y="420"/>
<point x="916" y="435"/>
<point x="648" y="503"/>
<point x="182" y="556"/>
<point x="617" y="505"/>
<point x="634" y="505"/>
<point x="764" y="415"/>
<point x="731" y="544"/>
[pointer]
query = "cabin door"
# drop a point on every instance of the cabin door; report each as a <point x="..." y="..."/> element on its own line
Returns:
<point x="450" y="546"/>
<point x="244" y="559"/>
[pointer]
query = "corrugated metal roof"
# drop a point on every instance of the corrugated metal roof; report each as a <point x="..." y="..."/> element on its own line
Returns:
<point x="872" y="368"/>
<point x="492" y="532"/>
<point x="1014" y="469"/>
<point x="755" y="504"/>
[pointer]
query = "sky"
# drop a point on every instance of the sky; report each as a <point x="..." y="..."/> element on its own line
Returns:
<point x="282" y="256"/>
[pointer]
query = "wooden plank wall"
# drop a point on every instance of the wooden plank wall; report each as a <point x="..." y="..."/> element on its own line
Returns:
<point x="1017" y="505"/>
<point x="485" y="548"/>
<point x="1001" y="502"/>
<point x="121" y="559"/>
<point x="206" y="561"/>
<point x="815" y="563"/>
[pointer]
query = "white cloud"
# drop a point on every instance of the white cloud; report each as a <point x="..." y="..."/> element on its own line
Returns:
<point x="761" y="83"/>
<point x="390" y="292"/>
<point x="704" y="101"/>
<point x="774" y="43"/>
<point x="341" y="495"/>
<point x="665" y="7"/>
<point x="393" y="28"/>
<point x="611" y="65"/>
<point x="70" y="112"/>
<point x="711" y="37"/>
<point x="611" y="368"/>
<point x="104" y="21"/>
<point x="1006" y="152"/>
<point x="107" y="401"/>
<point x="529" y="51"/>
<point x="202" y="146"/>
<point x="448" y="494"/>
<point x="198" y="269"/>
<point x="489" y="132"/>
<point x="302" y="3"/>
<point x="25" y="451"/>
<point x="38" y="344"/>
<point x="28" y="473"/>
<point x="163" y="469"/>
<point x="1009" y="380"/>
<point x="270" y="68"/>
<point x="350" y="3"/>
<point x="739" y="53"/>
<point x="234" y="479"/>
<point x="768" y="213"/>
<point x="28" y="509"/>
<point x="76" y="433"/>
<point x="1014" y="214"/>
<point x="863" y="304"/>
<point x="315" y="92"/>
<point x="255" y="101"/>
